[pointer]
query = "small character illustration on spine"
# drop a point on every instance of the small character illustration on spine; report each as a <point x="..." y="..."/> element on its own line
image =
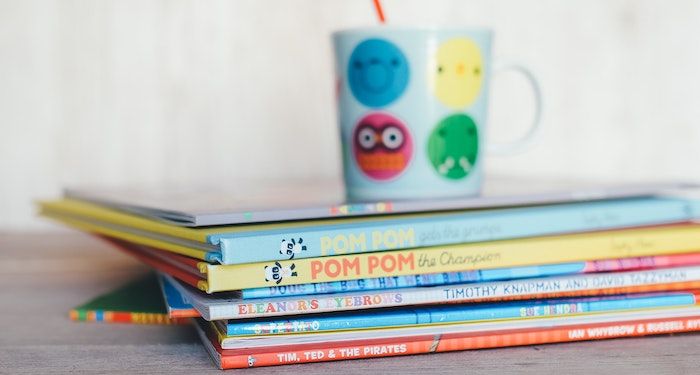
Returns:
<point x="277" y="272"/>
<point x="292" y="247"/>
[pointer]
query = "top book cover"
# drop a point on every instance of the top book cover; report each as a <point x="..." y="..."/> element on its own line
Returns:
<point x="197" y="207"/>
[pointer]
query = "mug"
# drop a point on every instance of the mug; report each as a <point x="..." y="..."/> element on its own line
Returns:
<point x="412" y="108"/>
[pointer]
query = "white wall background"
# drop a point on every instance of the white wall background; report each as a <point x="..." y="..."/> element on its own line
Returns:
<point x="203" y="92"/>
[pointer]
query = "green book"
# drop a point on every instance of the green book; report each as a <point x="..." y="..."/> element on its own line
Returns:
<point x="138" y="302"/>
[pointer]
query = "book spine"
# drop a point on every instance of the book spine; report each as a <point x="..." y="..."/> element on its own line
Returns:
<point x="327" y="354"/>
<point x="436" y="230"/>
<point x="378" y="283"/>
<point x="457" y="258"/>
<point x="398" y="282"/>
<point x="458" y="314"/>
<point x="670" y="279"/>
<point x="124" y="317"/>
<point x="456" y="342"/>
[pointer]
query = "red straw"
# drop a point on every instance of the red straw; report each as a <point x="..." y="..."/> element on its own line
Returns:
<point x="380" y="12"/>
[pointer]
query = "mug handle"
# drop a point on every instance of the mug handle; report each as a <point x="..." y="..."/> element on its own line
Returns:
<point x="527" y="139"/>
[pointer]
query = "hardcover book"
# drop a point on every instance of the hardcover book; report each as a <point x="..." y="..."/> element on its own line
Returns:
<point x="138" y="302"/>
<point x="301" y="201"/>
<point x="175" y="303"/>
<point x="664" y="240"/>
<point x="496" y="274"/>
<point x="252" y="243"/>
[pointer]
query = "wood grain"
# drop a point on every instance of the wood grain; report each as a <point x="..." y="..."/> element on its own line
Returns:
<point x="43" y="276"/>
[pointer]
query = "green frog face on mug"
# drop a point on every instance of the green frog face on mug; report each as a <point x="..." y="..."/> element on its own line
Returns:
<point x="453" y="146"/>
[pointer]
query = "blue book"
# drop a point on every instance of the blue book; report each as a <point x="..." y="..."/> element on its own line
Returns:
<point x="410" y="231"/>
<point x="456" y="313"/>
<point x="175" y="302"/>
<point x="397" y="282"/>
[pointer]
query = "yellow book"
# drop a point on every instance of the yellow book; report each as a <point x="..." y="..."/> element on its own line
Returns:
<point x="206" y="243"/>
<point x="454" y="258"/>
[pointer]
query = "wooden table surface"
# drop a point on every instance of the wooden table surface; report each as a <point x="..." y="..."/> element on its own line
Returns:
<point x="42" y="276"/>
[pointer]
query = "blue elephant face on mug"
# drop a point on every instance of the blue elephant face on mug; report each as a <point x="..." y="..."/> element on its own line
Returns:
<point x="377" y="72"/>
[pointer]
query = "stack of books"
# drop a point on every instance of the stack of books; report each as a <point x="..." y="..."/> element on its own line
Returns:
<point x="303" y="282"/>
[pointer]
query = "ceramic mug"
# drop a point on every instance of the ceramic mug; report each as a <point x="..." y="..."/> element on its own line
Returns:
<point x="412" y="108"/>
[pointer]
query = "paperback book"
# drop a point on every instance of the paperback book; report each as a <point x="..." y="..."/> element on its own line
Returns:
<point x="446" y="314"/>
<point x="257" y="342"/>
<point x="457" y="337"/>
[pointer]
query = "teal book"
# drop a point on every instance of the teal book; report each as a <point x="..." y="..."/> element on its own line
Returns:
<point x="448" y="228"/>
<point x="246" y="243"/>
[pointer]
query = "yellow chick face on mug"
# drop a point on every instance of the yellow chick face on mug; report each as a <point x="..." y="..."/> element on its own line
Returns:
<point x="457" y="73"/>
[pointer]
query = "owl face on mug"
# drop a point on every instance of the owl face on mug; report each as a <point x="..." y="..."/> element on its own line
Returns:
<point x="382" y="146"/>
